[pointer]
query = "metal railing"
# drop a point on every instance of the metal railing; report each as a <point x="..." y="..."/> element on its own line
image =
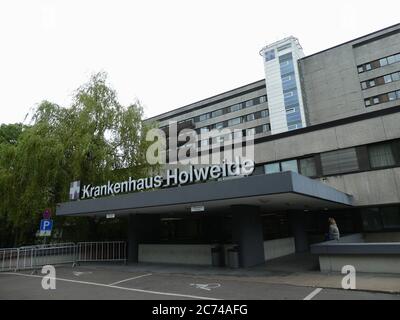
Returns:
<point x="31" y="257"/>
<point x="8" y="259"/>
<point x="101" y="251"/>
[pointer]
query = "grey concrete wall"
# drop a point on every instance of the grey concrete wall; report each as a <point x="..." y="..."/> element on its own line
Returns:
<point x="278" y="248"/>
<point x="175" y="253"/>
<point x="368" y="188"/>
<point x="367" y="263"/>
<point x="342" y="136"/>
<point x="331" y="83"/>
<point x="382" y="237"/>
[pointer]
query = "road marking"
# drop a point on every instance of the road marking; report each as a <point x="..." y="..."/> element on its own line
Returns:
<point x="206" y="286"/>
<point x="78" y="273"/>
<point x="143" y="275"/>
<point x="313" y="294"/>
<point x="116" y="287"/>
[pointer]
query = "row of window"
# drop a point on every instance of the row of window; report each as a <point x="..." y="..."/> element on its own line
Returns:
<point x="235" y="121"/>
<point x="395" y="76"/>
<point x="381" y="155"/>
<point x="237" y="134"/>
<point x="379" y="63"/>
<point x="382" y="98"/>
<point x="233" y="108"/>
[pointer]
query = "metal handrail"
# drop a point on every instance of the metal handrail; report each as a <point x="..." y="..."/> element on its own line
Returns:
<point x="31" y="257"/>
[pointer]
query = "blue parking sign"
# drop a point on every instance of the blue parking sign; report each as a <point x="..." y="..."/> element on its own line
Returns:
<point x="46" y="226"/>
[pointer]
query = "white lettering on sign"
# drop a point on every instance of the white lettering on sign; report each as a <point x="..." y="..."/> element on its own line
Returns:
<point x="173" y="177"/>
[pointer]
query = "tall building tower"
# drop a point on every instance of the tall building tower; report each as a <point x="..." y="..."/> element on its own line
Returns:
<point x="283" y="85"/>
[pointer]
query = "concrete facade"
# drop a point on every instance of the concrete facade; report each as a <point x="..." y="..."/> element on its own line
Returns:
<point x="331" y="82"/>
<point x="368" y="188"/>
<point x="180" y="254"/>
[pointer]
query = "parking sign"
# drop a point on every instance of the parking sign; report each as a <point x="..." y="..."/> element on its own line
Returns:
<point x="46" y="226"/>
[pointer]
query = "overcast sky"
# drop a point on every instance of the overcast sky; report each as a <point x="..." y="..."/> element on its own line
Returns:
<point x="166" y="53"/>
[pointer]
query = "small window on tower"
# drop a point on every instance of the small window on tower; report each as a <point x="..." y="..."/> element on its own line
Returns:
<point x="269" y="55"/>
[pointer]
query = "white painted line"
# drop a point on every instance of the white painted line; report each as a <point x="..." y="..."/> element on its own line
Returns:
<point x="115" y="287"/>
<point x="313" y="294"/>
<point x="206" y="286"/>
<point x="143" y="275"/>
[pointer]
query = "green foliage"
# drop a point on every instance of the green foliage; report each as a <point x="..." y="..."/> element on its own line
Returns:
<point x="94" y="140"/>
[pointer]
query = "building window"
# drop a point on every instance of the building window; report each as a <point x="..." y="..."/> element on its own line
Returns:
<point x="234" y="121"/>
<point x="392" y="96"/>
<point x="250" y="117"/>
<point x="387" y="78"/>
<point x="340" y="161"/>
<point x="364" y="85"/>
<point x="216" y="113"/>
<point x="266" y="127"/>
<point x="204" y="117"/>
<point x="269" y="55"/>
<point x="272" y="168"/>
<point x="288" y="94"/>
<point x="376" y="100"/>
<point x="381" y="155"/>
<point x="250" y="132"/>
<point x="290" y="165"/>
<point x="263" y="99"/>
<point x="391" y="59"/>
<point x="286" y="79"/>
<point x="235" y="107"/>
<point x="204" y="143"/>
<point x="264" y="113"/>
<point x="290" y="110"/>
<point x="396" y="76"/>
<point x="249" y="103"/>
<point x="204" y="130"/>
<point x="379" y="63"/>
<point x="285" y="63"/>
<point x="308" y="167"/>
<point x="372" y="83"/>
<point x="219" y="125"/>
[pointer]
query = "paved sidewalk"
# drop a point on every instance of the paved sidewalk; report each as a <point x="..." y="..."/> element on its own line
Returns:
<point x="295" y="270"/>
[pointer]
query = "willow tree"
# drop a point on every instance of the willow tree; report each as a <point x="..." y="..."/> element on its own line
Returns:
<point x="93" y="140"/>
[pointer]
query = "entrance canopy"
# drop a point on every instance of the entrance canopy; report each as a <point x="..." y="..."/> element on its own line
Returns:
<point x="272" y="192"/>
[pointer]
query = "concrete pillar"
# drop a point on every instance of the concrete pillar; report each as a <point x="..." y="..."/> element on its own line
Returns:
<point x="133" y="238"/>
<point x="247" y="232"/>
<point x="298" y="225"/>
